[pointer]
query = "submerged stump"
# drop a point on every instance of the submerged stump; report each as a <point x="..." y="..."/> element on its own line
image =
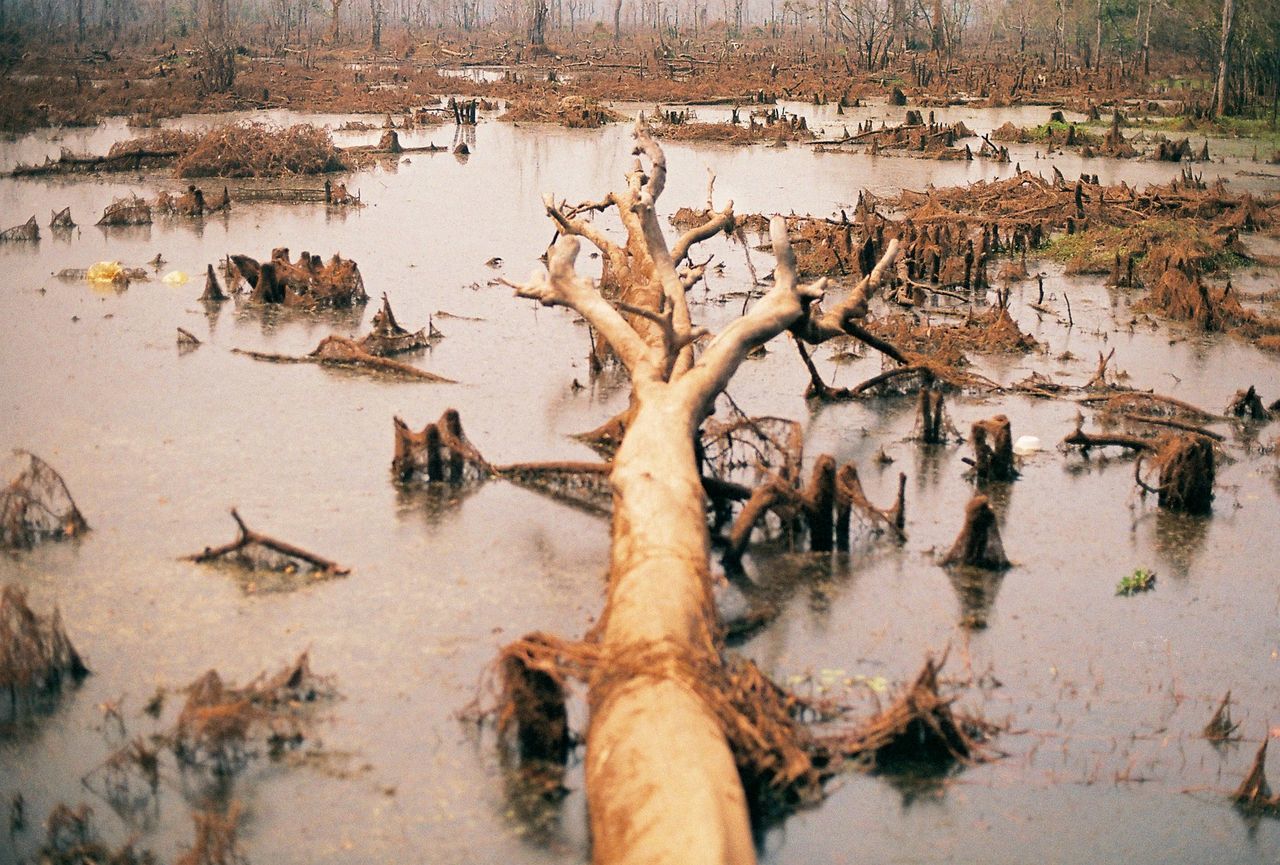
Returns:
<point x="993" y="450"/>
<point x="978" y="545"/>
<point x="1186" y="474"/>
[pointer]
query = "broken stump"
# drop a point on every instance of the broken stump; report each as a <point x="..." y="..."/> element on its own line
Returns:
<point x="978" y="545"/>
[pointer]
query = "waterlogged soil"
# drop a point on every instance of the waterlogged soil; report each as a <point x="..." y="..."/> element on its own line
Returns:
<point x="1102" y="698"/>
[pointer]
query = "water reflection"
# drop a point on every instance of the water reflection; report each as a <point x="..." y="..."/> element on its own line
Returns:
<point x="976" y="590"/>
<point x="1180" y="539"/>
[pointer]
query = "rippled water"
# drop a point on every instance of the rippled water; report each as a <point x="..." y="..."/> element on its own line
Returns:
<point x="1104" y="697"/>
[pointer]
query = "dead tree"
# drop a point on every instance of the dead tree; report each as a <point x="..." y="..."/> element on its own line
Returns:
<point x="662" y="785"/>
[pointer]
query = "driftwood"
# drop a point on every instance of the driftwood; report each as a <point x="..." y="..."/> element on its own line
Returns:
<point x="187" y="340"/>
<point x="978" y="545"/>
<point x="342" y="351"/>
<point x="1085" y="441"/>
<point x="818" y="389"/>
<point x="253" y="550"/>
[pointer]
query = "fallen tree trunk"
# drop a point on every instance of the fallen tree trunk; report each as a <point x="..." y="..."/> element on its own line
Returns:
<point x="662" y="784"/>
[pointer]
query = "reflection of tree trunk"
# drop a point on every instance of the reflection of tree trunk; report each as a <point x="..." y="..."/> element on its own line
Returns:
<point x="1220" y="89"/>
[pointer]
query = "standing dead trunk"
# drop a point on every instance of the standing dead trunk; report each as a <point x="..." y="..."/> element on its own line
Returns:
<point x="335" y="30"/>
<point x="1097" y="40"/>
<point x="617" y="21"/>
<point x="538" y="24"/>
<point x="1224" y="49"/>
<point x="662" y="785"/>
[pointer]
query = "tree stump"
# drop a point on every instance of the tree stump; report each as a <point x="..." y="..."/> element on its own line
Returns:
<point x="993" y="450"/>
<point x="1186" y="474"/>
<point x="978" y="545"/>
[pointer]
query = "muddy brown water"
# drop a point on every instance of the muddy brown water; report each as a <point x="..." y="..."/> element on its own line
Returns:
<point x="1103" y="697"/>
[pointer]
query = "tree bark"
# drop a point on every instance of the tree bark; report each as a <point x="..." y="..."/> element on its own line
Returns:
<point x="1224" y="48"/>
<point x="662" y="785"/>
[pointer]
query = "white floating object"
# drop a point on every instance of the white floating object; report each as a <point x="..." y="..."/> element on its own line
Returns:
<point x="1026" y="445"/>
<point x="175" y="277"/>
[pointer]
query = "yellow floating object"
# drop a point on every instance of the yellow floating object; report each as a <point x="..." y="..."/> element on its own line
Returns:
<point x="175" y="277"/>
<point x="105" y="271"/>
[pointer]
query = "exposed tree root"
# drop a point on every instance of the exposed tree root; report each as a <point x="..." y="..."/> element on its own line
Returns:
<point x="784" y="763"/>
<point x="72" y="840"/>
<point x="37" y="506"/>
<point x="36" y="656"/>
<point x="219" y="724"/>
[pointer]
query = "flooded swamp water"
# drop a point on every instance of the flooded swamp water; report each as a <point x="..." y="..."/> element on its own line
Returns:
<point x="1102" y="698"/>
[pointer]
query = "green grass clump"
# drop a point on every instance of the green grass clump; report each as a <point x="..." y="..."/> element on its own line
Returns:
<point x="1141" y="580"/>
